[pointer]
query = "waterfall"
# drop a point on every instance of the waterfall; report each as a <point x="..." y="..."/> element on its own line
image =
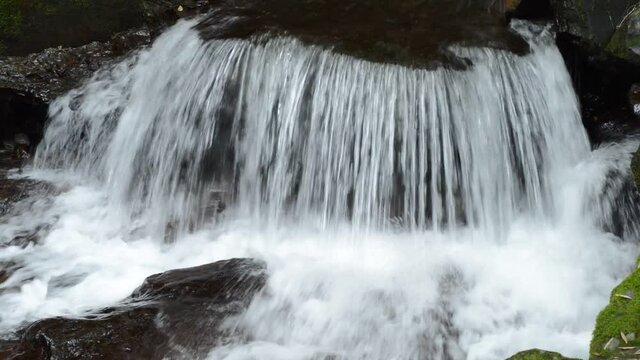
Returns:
<point x="404" y="213"/>
<point x="294" y="131"/>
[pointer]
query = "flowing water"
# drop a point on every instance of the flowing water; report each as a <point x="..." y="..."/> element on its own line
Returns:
<point x="403" y="213"/>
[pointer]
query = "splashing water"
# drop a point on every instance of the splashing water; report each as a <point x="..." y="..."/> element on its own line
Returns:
<point x="404" y="213"/>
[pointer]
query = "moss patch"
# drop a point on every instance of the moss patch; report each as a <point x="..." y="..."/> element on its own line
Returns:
<point x="536" y="354"/>
<point x="635" y="168"/>
<point x="622" y="315"/>
<point x="30" y="26"/>
<point x="626" y="37"/>
<point x="10" y="17"/>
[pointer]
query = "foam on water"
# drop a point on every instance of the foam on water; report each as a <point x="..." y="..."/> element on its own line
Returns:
<point x="403" y="213"/>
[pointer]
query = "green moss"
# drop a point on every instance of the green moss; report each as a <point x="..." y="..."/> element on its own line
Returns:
<point x="536" y="354"/>
<point x="635" y="168"/>
<point x="10" y="17"/>
<point x="622" y="315"/>
<point x="625" y="38"/>
<point x="30" y="26"/>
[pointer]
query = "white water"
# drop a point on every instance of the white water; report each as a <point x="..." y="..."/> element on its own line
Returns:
<point x="404" y="214"/>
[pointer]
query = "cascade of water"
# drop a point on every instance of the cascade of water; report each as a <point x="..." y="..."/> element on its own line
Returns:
<point x="310" y="134"/>
<point x="308" y="140"/>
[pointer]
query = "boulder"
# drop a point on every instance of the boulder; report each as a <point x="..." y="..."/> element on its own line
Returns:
<point x="174" y="314"/>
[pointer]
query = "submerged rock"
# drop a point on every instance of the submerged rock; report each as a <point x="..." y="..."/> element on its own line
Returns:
<point x="536" y="354"/>
<point x="174" y="314"/>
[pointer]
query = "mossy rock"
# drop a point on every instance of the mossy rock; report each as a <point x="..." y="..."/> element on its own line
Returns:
<point x="31" y="26"/>
<point x="635" y="168"/>
<point x="618" y="320"/>
<point x="536" y="354"/>
<point x="625" y="42"/>
<point x="594" y="21"/>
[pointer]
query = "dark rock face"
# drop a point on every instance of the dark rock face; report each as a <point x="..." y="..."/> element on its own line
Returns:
<point x="173" y="314"/>
<point x="533" y="10"/>
<point x="22" y="117"/>
<point x="601" y="76"/>
<point x="602" y="82"/>
<point x="28" y="84"/>
<point x="413" y="33"/>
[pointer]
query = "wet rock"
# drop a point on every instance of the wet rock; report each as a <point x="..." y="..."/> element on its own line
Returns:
<point x="6" y="269"/>
<point x="634" y="98"/>
<point x="602" y="82"/>
<point x="50" y="73"/>
<point x="12" y="191"/>
<point x="625" y="42"/>
<point x="27" y="238"/>
<point x="536" y="354"/>
<point x="160" y="13"/>
<point x="6" y="348"/>
<point x="594" y="21"/>
<point x="208" y="282"/>
<point x="611" y="345"/>
<point x="412" y="33"/>
<point x="601" y="77"/>
<point x="173" y="314"/>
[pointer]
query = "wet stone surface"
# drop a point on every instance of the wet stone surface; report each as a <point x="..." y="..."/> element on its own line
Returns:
<point x="48" y="74"/>
<point x="413" y="33"/>
<point x="172" y="315"/>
